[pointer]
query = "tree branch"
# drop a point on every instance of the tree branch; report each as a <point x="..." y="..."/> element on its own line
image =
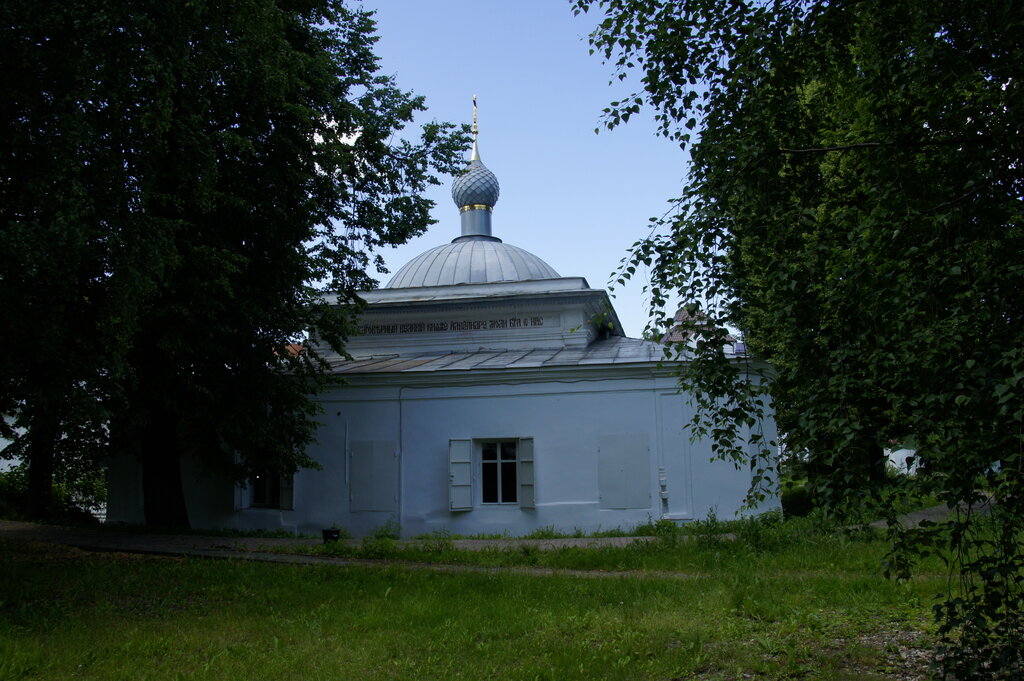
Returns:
<point x="867" y="145"/>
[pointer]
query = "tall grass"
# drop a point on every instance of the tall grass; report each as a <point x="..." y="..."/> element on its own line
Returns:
<point x="784" y="604"/>
<point x="764" y="543"/>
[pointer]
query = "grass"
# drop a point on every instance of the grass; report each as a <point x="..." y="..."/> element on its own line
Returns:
<point x="800" y="545"/>
<point x="786" y="603"/>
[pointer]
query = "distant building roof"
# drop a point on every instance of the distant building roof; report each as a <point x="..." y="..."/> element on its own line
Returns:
<point x="685" y="325"/>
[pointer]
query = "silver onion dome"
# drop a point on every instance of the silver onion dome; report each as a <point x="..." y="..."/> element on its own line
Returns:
<point x="475" y="257"/>
<point x="476" y="187"/>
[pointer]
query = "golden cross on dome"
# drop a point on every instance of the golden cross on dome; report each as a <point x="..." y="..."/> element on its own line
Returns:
<point x="476" y="133"/>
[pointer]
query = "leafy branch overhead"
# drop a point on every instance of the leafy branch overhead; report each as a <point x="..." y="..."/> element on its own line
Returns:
<point x="187" y="190"/>
<point x="853" y="207"/>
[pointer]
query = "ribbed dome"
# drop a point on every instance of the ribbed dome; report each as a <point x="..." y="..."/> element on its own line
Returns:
<point x="471" y="260"/>
<point x="477" y="186"/>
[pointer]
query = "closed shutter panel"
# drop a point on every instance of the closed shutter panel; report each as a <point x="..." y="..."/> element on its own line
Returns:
<point x="460" y="475"/>
<point x="624" y="471"/>
<point x="527" y="490"/>
<point x="287" y="493"/>
<point x="373" y="475"/>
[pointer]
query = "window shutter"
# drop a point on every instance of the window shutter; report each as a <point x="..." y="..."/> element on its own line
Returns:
<point x="460" y="475"/>
<point x="624" y="471"/>
<point x="243" y="490"/>
<point x="287" y="493"/>
<point x="527" y="490"/>
<point x="373" y="475"/>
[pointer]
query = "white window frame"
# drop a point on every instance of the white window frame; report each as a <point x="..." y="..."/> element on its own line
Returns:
<point x="465" y="474"/>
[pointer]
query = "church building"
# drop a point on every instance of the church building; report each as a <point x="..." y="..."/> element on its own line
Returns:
<point x="487" y="394"/>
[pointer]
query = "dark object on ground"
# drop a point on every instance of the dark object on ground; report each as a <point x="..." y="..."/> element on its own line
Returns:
<point x="796" y="501"/>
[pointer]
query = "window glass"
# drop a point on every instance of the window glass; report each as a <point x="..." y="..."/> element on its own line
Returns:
<point x="508" y="482"/>
<point x="489" y="473"/>
<point x="271" y="490"/>
<point x="498" y="474"/>
<point x="266" y="490"/>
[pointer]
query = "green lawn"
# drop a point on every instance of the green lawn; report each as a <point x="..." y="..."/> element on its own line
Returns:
<point x="781" y="611"/>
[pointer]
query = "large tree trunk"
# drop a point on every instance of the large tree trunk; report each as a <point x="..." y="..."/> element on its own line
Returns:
<point x="877" y="463"/>
<point x="42" y="439"/>
<point x="163" y="493"/>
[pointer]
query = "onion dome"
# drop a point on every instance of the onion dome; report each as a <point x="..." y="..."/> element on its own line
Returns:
<point x="474" y="257"/>
<point x="475" y="188"/>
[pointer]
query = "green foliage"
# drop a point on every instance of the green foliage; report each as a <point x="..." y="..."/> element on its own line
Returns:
<point x="546" y="532"/>
<point x="185" y="192"/>
<point x="656" y="528"/>
<point x="796" y="499"/>
<point x="854" y="209"/>
<point x="438" y="542"/>
<point x="13" y="493"/>
<point x="755" y="545"/>
<point x="74" y="494"/>
<point x="389" y="530"/>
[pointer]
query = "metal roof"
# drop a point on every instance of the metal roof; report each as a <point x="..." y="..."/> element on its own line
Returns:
<point x="471" y="261"/>
<point x="610" y="351"/>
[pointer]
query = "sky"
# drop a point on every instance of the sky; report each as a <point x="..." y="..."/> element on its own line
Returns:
<point x="576" y="199"/>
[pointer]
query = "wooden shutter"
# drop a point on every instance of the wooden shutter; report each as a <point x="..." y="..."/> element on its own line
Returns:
<point x="373" y="475"/>
<point x="527" y="490"/>
<point x="287" y="502"/>
<point x="460" y="475"/>
<point x="624" y="471"/>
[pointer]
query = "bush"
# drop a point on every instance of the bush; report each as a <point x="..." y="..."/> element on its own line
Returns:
<point x="70" y="502"/>
<point x="796" y="500"/>
<point x="14" y="493"/>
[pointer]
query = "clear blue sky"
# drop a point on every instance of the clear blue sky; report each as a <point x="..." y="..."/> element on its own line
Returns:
<point x="576" y="199"/>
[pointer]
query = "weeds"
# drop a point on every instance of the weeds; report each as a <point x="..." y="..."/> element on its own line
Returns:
<point x="389" y="530"/>
<point x="764" y="543"/>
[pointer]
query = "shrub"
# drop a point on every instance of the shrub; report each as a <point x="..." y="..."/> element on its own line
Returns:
<point x="796" y="499"/>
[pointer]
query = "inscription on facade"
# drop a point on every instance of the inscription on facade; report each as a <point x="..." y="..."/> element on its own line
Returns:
<point x="451" y="325"/>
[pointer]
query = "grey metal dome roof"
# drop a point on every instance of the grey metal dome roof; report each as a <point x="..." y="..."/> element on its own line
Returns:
<point x="471" y="260"/>
<point x="477" y="186"/>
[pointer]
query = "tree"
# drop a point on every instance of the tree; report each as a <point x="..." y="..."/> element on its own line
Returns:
<point x="68" y="224"/>
<point x="854" y="209"/>
<point x="219" y="176"/>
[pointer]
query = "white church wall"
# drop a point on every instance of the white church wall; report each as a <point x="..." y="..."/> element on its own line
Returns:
<point x="369" y="428"/>
<point x="567" y="423"/>
<point x="384" y="453"/>
<point x="571" y="424"/>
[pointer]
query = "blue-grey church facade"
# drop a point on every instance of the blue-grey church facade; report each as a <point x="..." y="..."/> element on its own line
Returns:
<point x="486" y="393"/>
